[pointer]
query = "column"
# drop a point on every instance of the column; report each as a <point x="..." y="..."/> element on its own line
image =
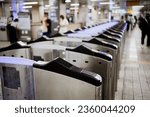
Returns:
<point x="110" y="10"/>
<point x="54" y="15"/>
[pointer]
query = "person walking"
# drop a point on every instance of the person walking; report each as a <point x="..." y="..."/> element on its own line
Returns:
<point x="143" y="25"/>
<point x="63" y="24"/>
<point x="148" y="31"/>
<point x="127" y="21"/>
<point x="46" y="25"/>
<point x="135" y="18"/>
<point x="13" y="31"/>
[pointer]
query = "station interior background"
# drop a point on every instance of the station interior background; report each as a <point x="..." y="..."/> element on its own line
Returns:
<point x="79" y="12"/>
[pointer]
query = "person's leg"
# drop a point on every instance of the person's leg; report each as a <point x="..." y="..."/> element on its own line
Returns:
<point x="128" y="26"/>
<point x="143" y="37"/>
<point x="148" y="40"/>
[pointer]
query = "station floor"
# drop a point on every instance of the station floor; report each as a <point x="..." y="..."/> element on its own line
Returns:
<point x="134" y="81"/>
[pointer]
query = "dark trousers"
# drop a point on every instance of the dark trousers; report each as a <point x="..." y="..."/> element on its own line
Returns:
<point x="12" y="34"/>
<point x="128" y="25"/>
<point x="143" y="37"/>
<point x="148" y="39"/>
<point x="144" y="34"/>
<point x="46" y="34"/>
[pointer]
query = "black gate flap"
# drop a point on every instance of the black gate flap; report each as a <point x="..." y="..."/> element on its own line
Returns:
<point x="69" y="32"/>
<point x="114" y="31"/>
<point x="17" y="45"/>
<point x="39" y="40"/>
<point x="57" y="35"/>
<point x="63" y="67"/>
<point x="103" y="43"/>
<point x="112" y="34"/>
<point x="84" y="27"/>
<point x="86" y="50"/>
<point x="108" y="37"/>
<point x="78" y="29"/>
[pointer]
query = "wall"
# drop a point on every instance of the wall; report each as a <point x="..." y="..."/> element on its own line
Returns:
<point x="35" y="14"/>
<point x="82" y="14"/>
<point x="63" y="9"/>
<point x="1" y="10"/>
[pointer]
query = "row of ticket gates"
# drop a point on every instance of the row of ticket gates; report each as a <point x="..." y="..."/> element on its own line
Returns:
<point x="79" y="65"/>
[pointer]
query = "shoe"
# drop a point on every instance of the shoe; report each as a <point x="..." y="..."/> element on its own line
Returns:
<point x="142" y="46"/>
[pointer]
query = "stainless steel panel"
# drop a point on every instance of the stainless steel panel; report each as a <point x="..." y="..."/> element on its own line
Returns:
<point x="114" y="73"/>
<point x="17" y="82"/>
<point x="47" y="52"/>
<point x="73" y="42"/>
<point x="53" y="86"/>
<point x="94" y="64"/>
<point x="22" y="53"/>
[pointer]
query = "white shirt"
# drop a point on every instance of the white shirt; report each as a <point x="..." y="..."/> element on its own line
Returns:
<point x="63" y="26"/>
<point x="14" y="24"/>
<point x="44" y="25"/>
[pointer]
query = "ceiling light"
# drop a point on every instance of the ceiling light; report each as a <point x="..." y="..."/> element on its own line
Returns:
<point x="29" y="3"/>
<point x="95" y="0"/>
<point x="74" y="8"/>
<point x="77" y="4"/>
<point x="116" y="7"/>
<point x="27" y="7"/>
<point x="140" y="6"/>
<point x="106" y="3"/>
<point x="67" y="0"/>
<point x="47" y="6"/>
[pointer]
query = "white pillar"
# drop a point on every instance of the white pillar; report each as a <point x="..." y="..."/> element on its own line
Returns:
<point x="110" y="10"/>
<point x="54" y="15"/>
<point x="76" y="12"/>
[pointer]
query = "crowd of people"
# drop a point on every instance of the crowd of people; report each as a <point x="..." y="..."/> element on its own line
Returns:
<point x="130" y="20"/>
<point x="143" y="23"/>
<point x="46" y="25"/>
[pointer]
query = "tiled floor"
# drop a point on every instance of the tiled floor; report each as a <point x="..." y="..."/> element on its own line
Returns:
<point x="134" y="82"/>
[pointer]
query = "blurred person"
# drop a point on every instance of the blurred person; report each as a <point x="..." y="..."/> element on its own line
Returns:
<point x="132" y="21"/>
<point x="14" y="31"/>
<point x="148" y="32"/>
<point x="144" y="26"/>
<point x="127" y="21"/>
<point x="122" y="19"/>
<point x="135" y="19"/>
<point x="10" y="18"/>
<point x="63" y="26"/>
<point x="46" y="25"/>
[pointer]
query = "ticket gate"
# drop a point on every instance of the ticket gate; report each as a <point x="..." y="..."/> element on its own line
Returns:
<point x="78" y="29"/>
<point x="43" y="40"/>
<point x="98" y="45"/>
<point x="20" y="81"/>
<point x="111" y="49"/>
<point x="18" y="49"/>
<point x="113" y="41"/>
<point x="44" y="51"/>
<point x="60" y="80"/>
<point x="89" y="61"/>
<point x="17" y="81"/>
<point x="69" y="32"/>
<point x="112" y="34"/>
